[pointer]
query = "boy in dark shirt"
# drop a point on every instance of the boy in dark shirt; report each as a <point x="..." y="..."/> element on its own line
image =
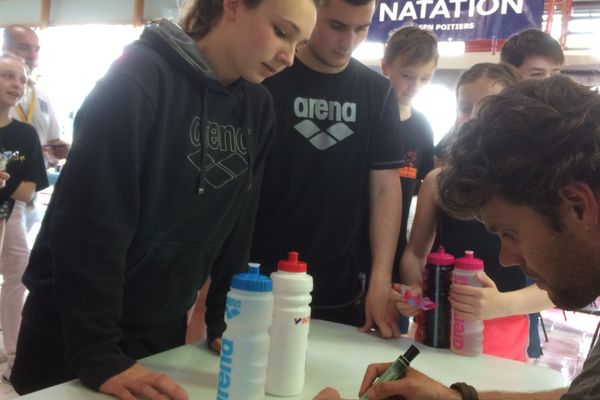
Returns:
<point x="409" y="61"/>
<point x="335" y="154"/>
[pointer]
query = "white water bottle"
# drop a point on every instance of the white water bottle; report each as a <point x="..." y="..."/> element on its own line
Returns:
<point x="466" y="337"/>
<point x="245" y="347"/>
<point x="289" y="330"/>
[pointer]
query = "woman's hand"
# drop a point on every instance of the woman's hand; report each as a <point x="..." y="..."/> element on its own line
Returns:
<point x="139" y="382"/>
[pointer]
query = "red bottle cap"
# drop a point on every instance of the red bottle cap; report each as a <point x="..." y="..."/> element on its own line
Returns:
<point x="469" y="262"/>
<point x="292" y="264"/>
<point x="440" y="257"/>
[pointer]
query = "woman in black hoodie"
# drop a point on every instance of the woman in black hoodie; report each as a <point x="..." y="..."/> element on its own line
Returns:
<point x="159" y="191"/>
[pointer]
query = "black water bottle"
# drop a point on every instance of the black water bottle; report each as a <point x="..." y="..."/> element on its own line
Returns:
<point x="438" y="277"/>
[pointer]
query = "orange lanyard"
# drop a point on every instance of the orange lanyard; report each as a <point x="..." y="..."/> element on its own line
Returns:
<point x="21" y="113"/>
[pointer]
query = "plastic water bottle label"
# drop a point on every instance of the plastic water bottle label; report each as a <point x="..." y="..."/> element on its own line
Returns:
<point x="232" y="307"/>
<point x="458" y="324"/>
<point x="301" y="321"/>
<point x="227" y="348"/>
<point x="458" y="337"/>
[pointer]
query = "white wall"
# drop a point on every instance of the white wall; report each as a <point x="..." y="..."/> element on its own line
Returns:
<point x="159" y="8"/>
<point x="26" y="12"/>
<point x="72" y="12"/>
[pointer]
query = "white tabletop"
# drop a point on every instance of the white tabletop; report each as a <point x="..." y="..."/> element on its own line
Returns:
<point x="337" y="357"/>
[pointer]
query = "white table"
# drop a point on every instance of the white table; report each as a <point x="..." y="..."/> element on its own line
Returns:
<point x="338" y="356"/>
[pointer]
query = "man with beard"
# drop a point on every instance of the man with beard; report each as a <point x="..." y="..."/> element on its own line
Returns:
<point x="528" y="167"/>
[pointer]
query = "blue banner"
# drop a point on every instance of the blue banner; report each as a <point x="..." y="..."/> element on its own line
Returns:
<point x="457" y="19"/>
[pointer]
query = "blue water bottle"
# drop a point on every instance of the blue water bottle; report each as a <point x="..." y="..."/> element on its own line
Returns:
<point x="245" y="347"/>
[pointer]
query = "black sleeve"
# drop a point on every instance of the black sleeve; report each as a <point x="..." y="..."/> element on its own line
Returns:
<point x="95" y="212"/>
<point x="386" y="148"/>
<point x="426" y="159"/>
<point x="33" y="168"/>
<point x="236" y="251"/>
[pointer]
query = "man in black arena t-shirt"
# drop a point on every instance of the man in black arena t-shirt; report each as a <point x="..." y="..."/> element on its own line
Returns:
<point x="337" y="151"/>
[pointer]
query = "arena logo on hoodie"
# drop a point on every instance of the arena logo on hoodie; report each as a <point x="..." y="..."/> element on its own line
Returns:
<point x="225" y="151"/>
<point x="323" y="110"/>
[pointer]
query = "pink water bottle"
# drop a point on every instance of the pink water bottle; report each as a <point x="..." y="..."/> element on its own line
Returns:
<point x="466" y="337"/>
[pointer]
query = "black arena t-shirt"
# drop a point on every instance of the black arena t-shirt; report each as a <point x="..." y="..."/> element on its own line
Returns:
<point x="332" y="130"/>
<point x="28" y="165"/>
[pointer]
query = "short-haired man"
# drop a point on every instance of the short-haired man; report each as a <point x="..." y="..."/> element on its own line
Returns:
<point x="528" y="167"/>
<point x="35" y="109"/>
<point x="535" y="53"/>
<point x="337" y="151"/>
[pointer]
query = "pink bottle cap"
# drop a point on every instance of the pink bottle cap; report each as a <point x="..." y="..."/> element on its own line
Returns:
<point x="469" y="262"/>
<point x="440" y="257"/>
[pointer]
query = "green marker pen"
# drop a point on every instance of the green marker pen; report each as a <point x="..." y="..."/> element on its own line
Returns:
<point x="398" y="368"/>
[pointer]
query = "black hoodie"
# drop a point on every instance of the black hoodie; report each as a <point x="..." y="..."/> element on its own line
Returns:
<point x="160" y="189"/>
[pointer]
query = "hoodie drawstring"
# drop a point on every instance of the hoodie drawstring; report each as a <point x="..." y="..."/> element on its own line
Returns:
<point x="248" y="132"/>
<point x="203" y="142"/>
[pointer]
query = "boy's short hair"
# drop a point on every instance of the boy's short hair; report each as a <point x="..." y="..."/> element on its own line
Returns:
<point x="531" y="42"/>
<point x="416" y="45"/>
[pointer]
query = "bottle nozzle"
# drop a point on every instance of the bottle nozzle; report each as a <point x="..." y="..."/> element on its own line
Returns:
<point x="254" y="268"/>
<point x="293" y="256"/>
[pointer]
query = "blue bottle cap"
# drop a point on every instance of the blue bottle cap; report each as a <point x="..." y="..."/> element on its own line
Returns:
<point x="252" y="281"/>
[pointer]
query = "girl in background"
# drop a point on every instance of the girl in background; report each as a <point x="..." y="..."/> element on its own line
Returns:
<point x="504" y="300"/>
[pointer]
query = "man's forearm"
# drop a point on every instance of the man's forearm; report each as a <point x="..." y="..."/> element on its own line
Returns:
<point x="385" y="213"/>
<point x="551" y="395"/>
<point x="59" y="149"/>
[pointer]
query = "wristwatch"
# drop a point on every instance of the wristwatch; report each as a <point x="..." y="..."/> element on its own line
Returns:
<point x="467" y="392"/>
